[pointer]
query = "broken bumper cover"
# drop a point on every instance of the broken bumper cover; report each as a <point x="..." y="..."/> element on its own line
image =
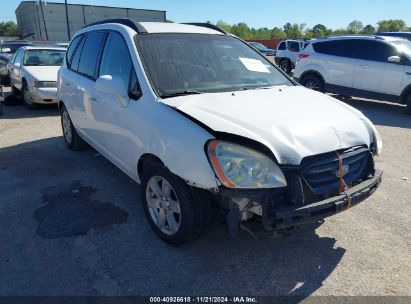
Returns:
<point x="288" y="217"/>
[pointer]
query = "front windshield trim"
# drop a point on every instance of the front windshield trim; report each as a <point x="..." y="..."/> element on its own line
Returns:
<point x="160" y="94"/>
<point x="403" y="46"/>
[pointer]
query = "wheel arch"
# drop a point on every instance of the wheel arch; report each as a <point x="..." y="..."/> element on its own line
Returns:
<point x="405" y="93"/>
<point x="312" y="72"/>
<point x="60" y="104"/>
<point x="146" y="160"/>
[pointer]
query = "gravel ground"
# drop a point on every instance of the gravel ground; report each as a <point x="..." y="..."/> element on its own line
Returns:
<point x="71" y="223"/>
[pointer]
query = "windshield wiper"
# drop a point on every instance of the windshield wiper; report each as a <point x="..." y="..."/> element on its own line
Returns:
<point x="182" y="93"/>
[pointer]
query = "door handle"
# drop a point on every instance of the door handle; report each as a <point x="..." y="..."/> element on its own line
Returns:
<point x="364" y="66"/>
<point x="93" y="99"/>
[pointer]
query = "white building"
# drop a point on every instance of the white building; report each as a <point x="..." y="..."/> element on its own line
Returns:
<point x="53" y="26"/>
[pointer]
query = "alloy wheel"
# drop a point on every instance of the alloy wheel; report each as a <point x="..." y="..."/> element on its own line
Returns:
<point x="163" y="205"/>
<point x="284" y="66"/>
<point x="67" y="127"/>
<point x="312" y="84"/>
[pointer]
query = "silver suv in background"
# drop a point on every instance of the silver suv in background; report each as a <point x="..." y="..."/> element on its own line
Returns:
<point x="372" y="67"/>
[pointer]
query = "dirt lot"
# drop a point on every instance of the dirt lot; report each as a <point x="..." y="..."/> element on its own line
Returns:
<point x="72" y="224"/>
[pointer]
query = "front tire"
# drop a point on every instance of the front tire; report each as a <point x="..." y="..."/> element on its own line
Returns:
<point x="176" y="212"/>
<point x="71" y="137"/>
<point x="313" y="82"/>
<point x="27" y="98"/>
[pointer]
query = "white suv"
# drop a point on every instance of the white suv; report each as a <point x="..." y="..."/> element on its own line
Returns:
<point x="287" y="53"/>
<point x="196" y="115"/>
<point x="366" y="66"/>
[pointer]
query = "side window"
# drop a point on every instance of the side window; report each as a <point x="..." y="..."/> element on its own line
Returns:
<point x="19" y="56"/>
<point x="13" y="58"/>
<point x="294" y="46"/>
<point x="375" y="51"/>
<point x="134" y="87"/>
<point x="90" y="54"/>
<point x="281" y="46"/>
<point x="72" y="48"/>
<point x="116" y="60"/>
<point x="341" y="48"/>
<point x="75" y="60"/>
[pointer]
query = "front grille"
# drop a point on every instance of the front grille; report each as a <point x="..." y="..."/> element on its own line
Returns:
<point x="320" y="172"/>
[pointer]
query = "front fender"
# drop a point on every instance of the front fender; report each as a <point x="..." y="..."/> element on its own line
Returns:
<point x="177" y="141"/>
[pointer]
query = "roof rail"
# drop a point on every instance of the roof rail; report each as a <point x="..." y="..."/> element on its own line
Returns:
<point x="208" y="25"/>
<point x="124" y="21"/>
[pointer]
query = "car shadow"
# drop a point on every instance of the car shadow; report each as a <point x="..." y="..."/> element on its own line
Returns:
<point x="13" y="108"/>
<point x="126" y="250"/>
<point x="382" y="113"/>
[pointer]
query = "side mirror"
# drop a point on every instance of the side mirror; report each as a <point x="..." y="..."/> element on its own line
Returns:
<point x="394" y="59"/>
<point x="113" y="85"/>
<point x="17" y="65"/>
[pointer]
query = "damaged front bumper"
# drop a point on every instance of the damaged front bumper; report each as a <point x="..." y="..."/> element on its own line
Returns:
<point x="279" y="214"/>
<point x="290" y="216"/>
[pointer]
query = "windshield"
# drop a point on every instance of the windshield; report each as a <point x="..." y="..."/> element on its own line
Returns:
<point x="44" y="58"/>
<point x="195" y="63"/>
<point x="404" y="46"/>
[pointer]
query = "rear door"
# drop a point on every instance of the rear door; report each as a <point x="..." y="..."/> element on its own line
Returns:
<point x="85" y="86"/>
<point x="373" y="72"/>
<point x="337" y="63"/>
<point x="280" y="53"/>
<point x="77" y="87"/>
<point x="293" y="49"/>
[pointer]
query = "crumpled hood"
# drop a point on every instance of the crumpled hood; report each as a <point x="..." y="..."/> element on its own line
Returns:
<point x="43" y="73"/>
<point x="293" y="122"/>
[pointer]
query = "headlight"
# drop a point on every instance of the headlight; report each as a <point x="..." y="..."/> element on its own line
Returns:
<point x="240" y="167"/>
<point x="376" y="136"/>
<point x="44" y="84"/>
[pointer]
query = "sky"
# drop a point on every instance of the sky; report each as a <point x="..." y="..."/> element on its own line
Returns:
<point x="259" y="13"/>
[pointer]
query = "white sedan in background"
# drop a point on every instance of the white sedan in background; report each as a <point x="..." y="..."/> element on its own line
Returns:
<point x="33" y="74"/>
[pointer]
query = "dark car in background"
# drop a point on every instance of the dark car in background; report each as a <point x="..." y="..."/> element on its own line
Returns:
<point x="4" y="74"/>
<point x="406" y="35"/>
<point x="263" y="49"/>
<point x="8" y="48"/>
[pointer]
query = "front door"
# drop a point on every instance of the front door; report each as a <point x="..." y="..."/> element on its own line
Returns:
<point x="373" y="72"/>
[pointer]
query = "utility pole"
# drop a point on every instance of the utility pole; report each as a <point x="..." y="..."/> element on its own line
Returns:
<point x="44" y="20"/>
<point x="67" y="20"/>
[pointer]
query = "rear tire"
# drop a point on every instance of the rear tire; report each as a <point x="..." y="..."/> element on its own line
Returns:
<point x="285" y="65"/>
<point x="71" y="137"/>
<point x="176" y="212"/>
<point x="313" y="82"/>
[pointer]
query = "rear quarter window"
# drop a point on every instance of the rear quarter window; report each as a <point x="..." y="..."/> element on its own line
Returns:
<point x="72" y="48"/>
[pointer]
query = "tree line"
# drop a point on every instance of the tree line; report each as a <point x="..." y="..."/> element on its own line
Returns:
<point x="290" y="31"/>
<point x="296" y="30"/>
<point x="9" y="29"/>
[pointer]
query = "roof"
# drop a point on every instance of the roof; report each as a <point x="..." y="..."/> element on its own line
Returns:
<point x="368" y="37"/>
<point x="159" y="27"/>
<point x="162" y="27"/>
<point x="44" y="48"/>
